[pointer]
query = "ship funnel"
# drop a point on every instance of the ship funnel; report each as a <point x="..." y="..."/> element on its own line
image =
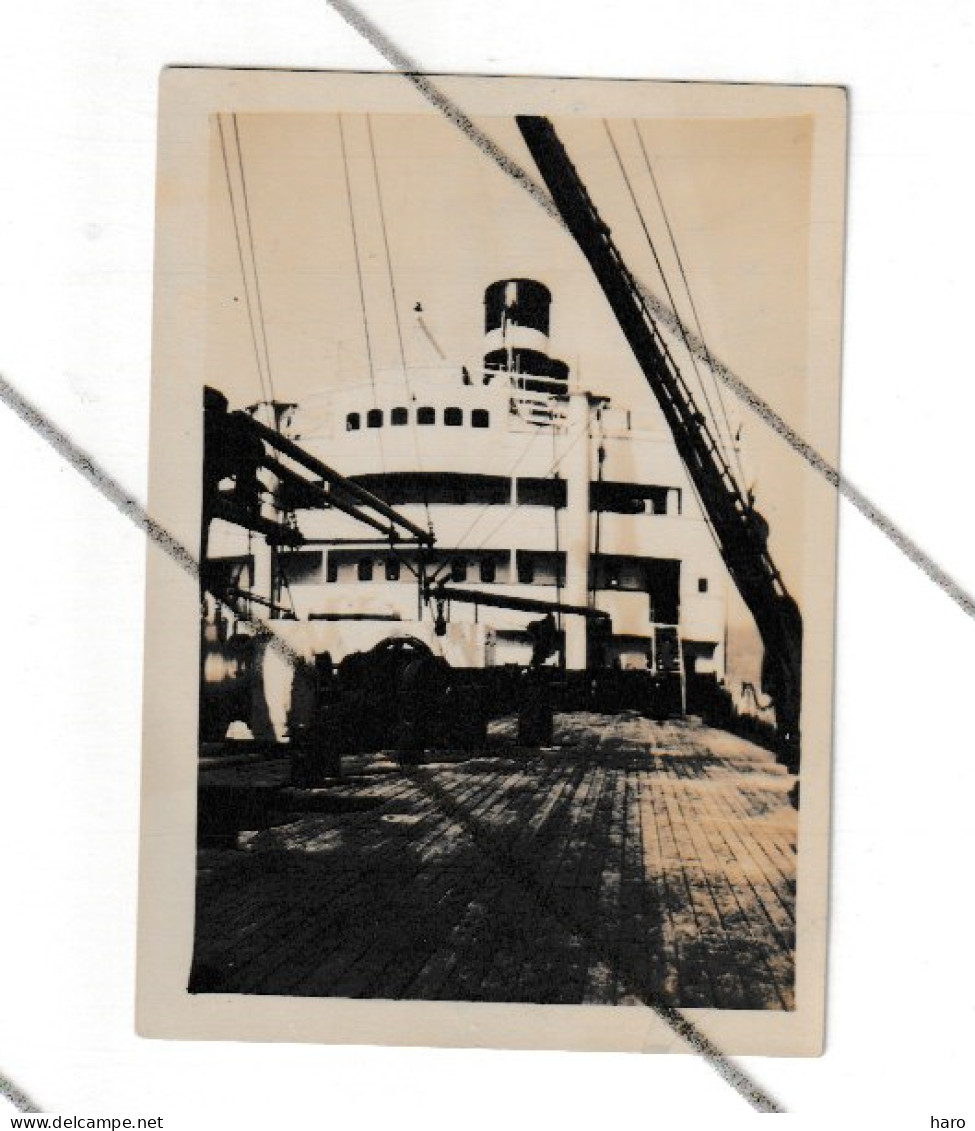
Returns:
<point x="516" y="328"/>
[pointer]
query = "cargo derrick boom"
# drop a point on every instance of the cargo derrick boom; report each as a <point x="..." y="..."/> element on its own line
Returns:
<point x="740" y="530"/>
<point x="235" y="448"/>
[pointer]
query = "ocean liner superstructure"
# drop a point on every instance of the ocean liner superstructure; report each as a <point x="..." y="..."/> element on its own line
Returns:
<point x="545" y="501"/>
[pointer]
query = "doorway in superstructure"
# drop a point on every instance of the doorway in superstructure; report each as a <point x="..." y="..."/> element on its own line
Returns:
<point x="657" y="578"/>
<point x="700" y="677"/>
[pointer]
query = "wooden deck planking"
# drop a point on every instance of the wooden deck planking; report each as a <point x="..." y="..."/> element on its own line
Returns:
<point x="744" y="925"/>
<point x="771" y="852"/>
<point x="327" y="897"/>
<point x="439" y="976"/>
<point x="550" y="879"/>
<point x="511" y="974"/>
<point x="448" y="892"/>
<point x="641" y="960"/>
<point x="417" y="906"/>
<point x="602" y="980"/>
<point x="754" y="871"/>
<point x="717" y="909"/>
<point x="438" y="969"/>
<point x="539" y="966"/>
<point x="381" y="942"/>
<point x="744" y="979"/>
<point x="463" y="880"/>
<point x="572" y="890"/>
<point x="670" y="901"/>
<point x="753" y="897"/>
<point x="635" y="859"/>
<point x="691" y="920"/>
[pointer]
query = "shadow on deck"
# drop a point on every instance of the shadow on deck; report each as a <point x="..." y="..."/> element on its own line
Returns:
<point x="631" y="860"/>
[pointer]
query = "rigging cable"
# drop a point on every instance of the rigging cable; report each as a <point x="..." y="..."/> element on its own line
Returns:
<point x="250" y="240"/>
<point x="663" y="276"/>
<point x="248" y="604"/>
<point x="600" y="460"/>
<point x="365" y="316"/>
<point x="284" y="581"/>
<point x="708" y="360"/>
<point x="362" y="294"/>
<point x="399" y="326"/>
<point x="489" y="506"/>
<point x="389" y="261"/>
<point x="551" y="473"/>
<point x="355" y="248"/>
<point x="558" y="570"/>
<point x="240" y="256"/>
<point x="683" y="333"/>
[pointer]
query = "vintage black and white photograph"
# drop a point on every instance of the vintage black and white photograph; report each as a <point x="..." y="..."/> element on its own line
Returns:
<point x="514" y="612"/>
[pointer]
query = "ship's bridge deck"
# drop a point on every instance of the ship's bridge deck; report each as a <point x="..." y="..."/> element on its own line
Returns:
<point x="453" y="396"/>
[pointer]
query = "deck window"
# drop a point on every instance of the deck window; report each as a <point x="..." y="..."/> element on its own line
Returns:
<point x="542" y="493"/>
<point x="352" y="422"/>
<point x="458" y="569"/>
<point x="374" y="418"/>
<point x="364" y="569"/>
<point x="426" y="415"/>
<point x="332" y="569"/>
<point x="480" y="418"/>
<point x="702" y="585"/>
<point x="392" y="569"/>
<point x="489" y="570"/>
<point x="629" y="498"/>
<point x="402" y="488"/>
<point x="230" y="573"/>
<point x="299" y="567"/>
<point x="526" y="570"/>
<point x="399" y="416"/>
<point x="453" y="417"/>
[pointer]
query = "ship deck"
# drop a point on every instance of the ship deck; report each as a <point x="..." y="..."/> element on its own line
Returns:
<point x="632" y="860"/>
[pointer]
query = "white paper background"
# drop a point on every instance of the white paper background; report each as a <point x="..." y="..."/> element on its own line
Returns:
<point x="77" y="150"/>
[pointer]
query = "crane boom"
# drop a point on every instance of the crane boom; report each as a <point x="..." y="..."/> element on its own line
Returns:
<point x="740" y="530"/>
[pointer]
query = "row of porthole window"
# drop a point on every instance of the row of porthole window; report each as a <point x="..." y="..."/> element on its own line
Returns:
<point x="458" y="569"/>
<point x="452" y="417"/>
<point x="487" y="571"/>
<point x="366" y="569"/>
